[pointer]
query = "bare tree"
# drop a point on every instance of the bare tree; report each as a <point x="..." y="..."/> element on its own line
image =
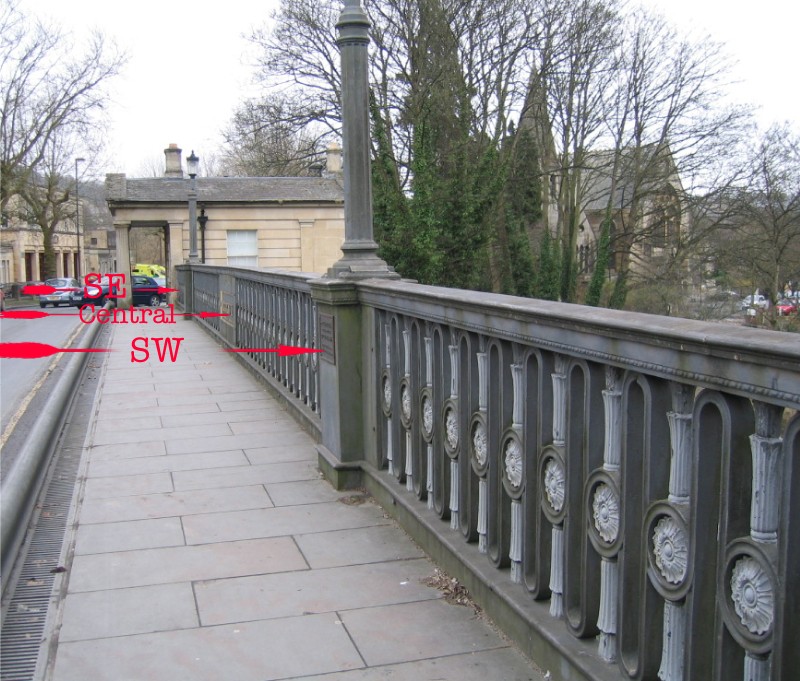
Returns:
<point x="763" y="244"/>
<point x="269" y="138"/>
<point x="674" y="138"/>
<point x="576" y="61"/>
<point x="48" y="86"/>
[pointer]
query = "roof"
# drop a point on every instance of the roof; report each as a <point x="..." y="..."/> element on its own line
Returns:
<point x="598" y="171"/>
<point x="227" y="190"/>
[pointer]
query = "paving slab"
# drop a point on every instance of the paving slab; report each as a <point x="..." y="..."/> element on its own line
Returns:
<point x="168" y="463"/>
<point x="316" y="491"/>
<point x="503" y="664"/>
<point x="156" y="432"/>
<point x="235" y="476"/>
<point x="292" y="594"/>
<point x="129" y="536"/>
<point x="194" y="445"/>
<point x="122" y="612"/>
<point x="131" y="450"/>
<point x="123" y="569"/>
<point x="280" y="521"/>
<point x="419" y="630"/>
<point x="376" y="544"/>
<point x="251" y="651"/>
<point x="127" y="485"/>
<point x="183" y="503"/>
<point x="278" y="454"/>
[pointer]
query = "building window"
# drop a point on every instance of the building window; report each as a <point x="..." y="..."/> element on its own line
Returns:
<point x="243" y="247"/>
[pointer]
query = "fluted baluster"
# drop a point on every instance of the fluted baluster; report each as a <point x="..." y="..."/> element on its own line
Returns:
<point x="750" y="585"/>
<point x="559" y="378"/>
<point x="409" y="463"/>
<point x="513" y="454"/>
<point x="483" y="509"/>
<point x="455" y="487"/>
<point x="515" y="549"/>
<point x="680" y="477"/>
<point x="557" y="572"/>
<point x="673" y="645"/>
<point x="612" y="455"/>
<point x="454" y="476"/>
<point x="483" y="514"/>
<point x="429" y="448"/>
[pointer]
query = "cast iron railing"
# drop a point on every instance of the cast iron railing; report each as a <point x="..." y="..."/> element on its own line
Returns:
<point x="638" y="474"/>
<point x="265" y="309"/>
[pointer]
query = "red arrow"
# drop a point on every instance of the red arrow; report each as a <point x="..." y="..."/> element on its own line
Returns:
<point x="282" y="350"/>
<point x="38" y="290"/>
<point x="37" y="350"/>
<point x="44" y="289"/>
<point x="204" y="315"/>
<point x="164" y="289"/>
<point x="34" y="314"/>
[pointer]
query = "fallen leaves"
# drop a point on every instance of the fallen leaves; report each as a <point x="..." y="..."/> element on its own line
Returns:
<point x="452" y="590"/>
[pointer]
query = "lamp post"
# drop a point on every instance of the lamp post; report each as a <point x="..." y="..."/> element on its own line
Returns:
<point x="359" y="250"/>
<point x="78" y="160"/>
<point x="202" y="220"/>
<point x="192" y="165"/>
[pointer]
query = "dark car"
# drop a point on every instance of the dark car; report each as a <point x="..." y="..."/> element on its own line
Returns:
<point x="68" y="293"/>
<point x="145" y="291"/>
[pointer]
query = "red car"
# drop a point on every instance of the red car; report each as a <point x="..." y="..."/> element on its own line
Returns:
<point x="786" y="306"/>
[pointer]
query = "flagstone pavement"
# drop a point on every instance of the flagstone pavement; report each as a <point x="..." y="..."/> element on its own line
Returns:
<point x="206" y="546"/>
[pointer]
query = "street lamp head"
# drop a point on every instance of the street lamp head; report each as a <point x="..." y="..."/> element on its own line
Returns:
<point x="192" y="165"/>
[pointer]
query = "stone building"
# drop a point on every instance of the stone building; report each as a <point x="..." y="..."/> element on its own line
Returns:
<point x="22" y="243"/>
<point x="291" y="223"/>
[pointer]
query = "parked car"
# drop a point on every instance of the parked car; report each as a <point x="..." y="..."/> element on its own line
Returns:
<point x="756" y="300"/>
<point x="2" y="299"/>
<point x="786" y="306"/>
<point x="69" y="292"/>
<point x="145" y="291"/>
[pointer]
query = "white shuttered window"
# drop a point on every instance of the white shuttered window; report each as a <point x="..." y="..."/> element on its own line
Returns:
<point x="243" y="247"/>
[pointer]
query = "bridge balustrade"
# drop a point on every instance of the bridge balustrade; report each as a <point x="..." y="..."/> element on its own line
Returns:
<point x="621" y="491"/>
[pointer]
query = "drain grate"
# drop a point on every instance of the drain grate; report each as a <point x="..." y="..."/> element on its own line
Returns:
<point x="26" y="614"/>
<point x="22" y="637"/>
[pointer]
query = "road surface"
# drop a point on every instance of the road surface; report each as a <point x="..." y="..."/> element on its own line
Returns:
<point x="19" y="378"/>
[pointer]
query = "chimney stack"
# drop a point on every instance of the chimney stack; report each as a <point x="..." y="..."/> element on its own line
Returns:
<point x="333" y="162"/>
<point x="174" y="166"/>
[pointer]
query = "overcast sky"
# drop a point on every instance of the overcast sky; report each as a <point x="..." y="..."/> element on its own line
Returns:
<point x="189" y="63"/>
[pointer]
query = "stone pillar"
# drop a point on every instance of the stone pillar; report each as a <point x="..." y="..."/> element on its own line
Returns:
<point x="360" y="252"/>
<point x="340" y="380"/>
<point x="174" y="255"/>
<point x="123" y="230"/>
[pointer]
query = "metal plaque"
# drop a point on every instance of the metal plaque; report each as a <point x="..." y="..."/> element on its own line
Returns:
<point x="327" y="337"/>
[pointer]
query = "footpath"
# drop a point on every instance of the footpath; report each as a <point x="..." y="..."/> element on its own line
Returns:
<point x="204" y="545"/>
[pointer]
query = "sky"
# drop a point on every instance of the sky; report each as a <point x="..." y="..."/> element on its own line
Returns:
<point x="190" y="64"/>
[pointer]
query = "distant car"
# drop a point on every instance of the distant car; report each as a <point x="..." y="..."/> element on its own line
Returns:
<point x="756" y="300"/>
<point x="69" y="292"/>
<point x="2" y="299"/>
<point x="786" y="306"/>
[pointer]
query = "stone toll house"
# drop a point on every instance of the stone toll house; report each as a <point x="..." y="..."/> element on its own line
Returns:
<point x="290" y="223"/>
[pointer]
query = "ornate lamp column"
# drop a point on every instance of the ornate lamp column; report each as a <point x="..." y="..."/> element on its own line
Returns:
<point x="359" y="259"/>
<point x="336" y="297"/>
<point x="192" y="166"/>
<point x="77" y="220"/>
